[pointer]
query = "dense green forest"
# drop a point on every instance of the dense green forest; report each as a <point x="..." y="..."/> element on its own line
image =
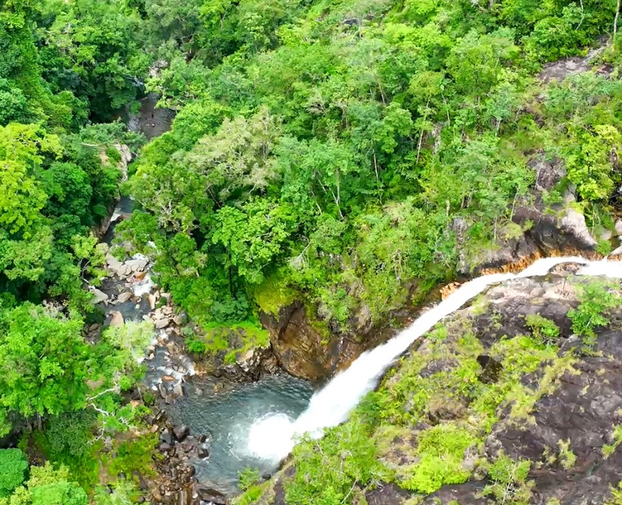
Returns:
<point x="322" y="152"/>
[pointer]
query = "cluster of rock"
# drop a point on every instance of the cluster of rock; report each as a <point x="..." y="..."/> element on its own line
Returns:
<point x="129" y="290"/>
<point x="176" y="483"/>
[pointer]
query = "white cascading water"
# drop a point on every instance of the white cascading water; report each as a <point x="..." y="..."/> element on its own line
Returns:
<point x="273" y="437"/>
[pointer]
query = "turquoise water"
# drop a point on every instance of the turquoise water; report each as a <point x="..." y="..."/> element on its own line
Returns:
<point x="227" y="418"/>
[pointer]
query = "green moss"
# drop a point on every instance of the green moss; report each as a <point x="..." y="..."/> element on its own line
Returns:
<point x="609" y="449"/>
<point x="441" y="450"/>
<point x="523" y="399"/>
<point x="250" y="496"/>
<point x="326" y="469"/>
<point x="320" y="326"/>
<point x="273" y="294"/>
<point x="135" y="455"/>
<point x="567" y="458"/>
<point x="480" y="305"/>
<point x="616" y="495"/>
<point x="232" y="340"/>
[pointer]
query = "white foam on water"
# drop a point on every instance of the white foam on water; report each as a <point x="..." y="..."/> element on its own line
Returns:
<point x="143" y="287"/>
<point x="272" y="437"/>
<point x="118" y="212"/>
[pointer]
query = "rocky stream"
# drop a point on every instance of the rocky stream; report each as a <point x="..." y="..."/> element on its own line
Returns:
<point x="202" y="419"/>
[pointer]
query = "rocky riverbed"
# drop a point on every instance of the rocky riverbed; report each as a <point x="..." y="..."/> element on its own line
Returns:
<point x="198" y="416"/>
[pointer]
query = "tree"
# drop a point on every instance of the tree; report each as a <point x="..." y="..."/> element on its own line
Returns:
<point x="49" y="486"/>
<point x="90" y="48"/>
<point x="237" y="161"/>
<point x="13" y="467"/>
<point x="43" y="363"/>
<point x="476" y="61"/>
<point x="253" y="237"/>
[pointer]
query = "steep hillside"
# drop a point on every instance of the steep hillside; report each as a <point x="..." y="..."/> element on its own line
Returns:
<point x="514" y="399"/>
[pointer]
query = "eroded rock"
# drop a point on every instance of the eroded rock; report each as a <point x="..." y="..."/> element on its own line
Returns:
<point x="98" y="295"/>
<point x="212" y="495"/>
<point x="181" y="432"/>
<point x="116" y="318"/>
<point x="302" y="350"/>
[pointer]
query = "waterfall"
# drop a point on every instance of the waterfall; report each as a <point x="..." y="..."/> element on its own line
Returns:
<point x="273" y="437"/>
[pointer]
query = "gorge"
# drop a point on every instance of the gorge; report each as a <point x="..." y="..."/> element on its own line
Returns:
<point x="310" y="252"/>
<point x="259" y="430"/>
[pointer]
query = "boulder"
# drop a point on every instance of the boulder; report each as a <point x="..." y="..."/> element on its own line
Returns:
<point x="124" y="297"/>
<point x="137" y="265"/>
<point x="548" y="172"/>
<point x="166" y="437"/>
<point x="162" y="323"/>
<point x="250" y="359"/>
<point x="573" y="224"/>
<point x="178" y="391"/>
<point x="116" y="267"/>
<point x="98" y="296"/>
<point x="181" y="432"/>
<point x="181" y="319"/>
<point x="116" y="318"/>
<point x="202" y="452"/>
<point x="212" y="495"/>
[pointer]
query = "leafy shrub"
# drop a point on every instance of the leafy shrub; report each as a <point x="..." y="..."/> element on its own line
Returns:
<point x="248" y="478"/>
<point x="543" y="329"/>
<point x="567" y="458"/>
<point x="441" y="449"/>
<point x="509" y="481"/>
<point x="135" y="456"/>
<point x="124" y="492"/>
<point x="13" y="467"/>
<point x="597" y="299"/>
<point x="326" y="468"/>
<point x="59" y="493"/>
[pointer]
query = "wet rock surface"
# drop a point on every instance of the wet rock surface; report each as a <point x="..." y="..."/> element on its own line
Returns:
<point x="302" y="350"/>
<point x="176" y="482"/>
<point x="583" y="406"/>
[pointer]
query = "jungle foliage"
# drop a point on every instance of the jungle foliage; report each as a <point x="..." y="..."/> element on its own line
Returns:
<point x="347" y="154"/>
<point x="353" y="154"/>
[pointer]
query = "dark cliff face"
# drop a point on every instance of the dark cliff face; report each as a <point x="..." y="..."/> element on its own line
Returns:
<point x="555" y="407"/>
<point x="583" y="410"/>
<point x="305" y="351"/>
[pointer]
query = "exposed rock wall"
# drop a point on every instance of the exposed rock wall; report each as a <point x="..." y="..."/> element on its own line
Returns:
<point x="303" y="350"/>
<point x="576" y="394"/>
